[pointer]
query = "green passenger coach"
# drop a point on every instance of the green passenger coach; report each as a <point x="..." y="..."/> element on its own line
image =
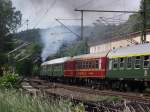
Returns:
<point x="130" y="63"/>
<point x="54" y="68"/>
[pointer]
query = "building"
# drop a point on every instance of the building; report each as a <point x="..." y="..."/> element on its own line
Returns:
<point x="98" y="46"/>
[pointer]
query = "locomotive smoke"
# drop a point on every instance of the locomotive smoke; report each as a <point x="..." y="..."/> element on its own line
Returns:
<point x="50" y="37"/>
<point x="52" y="41"/>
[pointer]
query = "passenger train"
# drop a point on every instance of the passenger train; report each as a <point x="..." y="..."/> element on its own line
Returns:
<point x="121" y="68"/>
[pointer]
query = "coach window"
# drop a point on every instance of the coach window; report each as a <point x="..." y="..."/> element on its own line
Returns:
<point x="110" y="64"/>
<point x="81" y="65"/>
<point x="45" y="69"/>
<point x="88" y="64"/>
<point x="93" y="64"/>
<point x="121" y="63"/>
<point x="97" y="64"/>
<point x="146" y="62"/>
<point x="115" y="63"/>
<point x="84" y="64"/>
<point x="61" y="67"/>
<point x="129" y="63"/>
<point x="77" y="65"/>
<point x="137" y="62"/>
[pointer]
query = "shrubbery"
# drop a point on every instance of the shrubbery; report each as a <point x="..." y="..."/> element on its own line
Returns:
<point x="9" y="80"/>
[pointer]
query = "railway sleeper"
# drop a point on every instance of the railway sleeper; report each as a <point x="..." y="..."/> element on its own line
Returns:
<point x="117" y="85"/>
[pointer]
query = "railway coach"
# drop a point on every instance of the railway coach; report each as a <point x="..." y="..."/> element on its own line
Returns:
<point x="91" y="65"/>
<point x="130" y="66"/>
<point x="54" y="68"/>
<point x="88" y="69"/>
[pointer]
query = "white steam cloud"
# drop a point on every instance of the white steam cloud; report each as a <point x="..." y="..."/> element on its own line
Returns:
<point x="53" y="38"/>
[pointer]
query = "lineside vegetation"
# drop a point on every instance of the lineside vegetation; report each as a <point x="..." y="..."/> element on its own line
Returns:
<point x="14" y="101"/>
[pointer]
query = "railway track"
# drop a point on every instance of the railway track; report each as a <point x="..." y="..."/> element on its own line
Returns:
<point x="140" y="97"/>
<point x="134" y="102"/>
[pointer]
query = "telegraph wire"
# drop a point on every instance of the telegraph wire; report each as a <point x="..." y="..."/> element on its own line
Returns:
<point x="32" y="4"/>
<point x="85" y="4"/>
<point x="68" y="19"/>
<point x="23" y="24"/>
<point x="33" y="7"/>
<point x="126" y="26"/>
<point x="68" y="28"/>
<point x="107" y="4"/>
<point x="45" y="13"/>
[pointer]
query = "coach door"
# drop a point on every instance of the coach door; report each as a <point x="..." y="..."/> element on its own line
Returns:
<point x="146" y="66"/>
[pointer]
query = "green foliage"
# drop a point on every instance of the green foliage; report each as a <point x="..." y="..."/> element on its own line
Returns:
<point x="9" y="80"/>
<point x="32" y="35"/>
<point x="36" y="69"/>
<point x="77" y="48"/>
<point x="24" y="67"/>
<point x="10" y="19"/>
<point x="27" y="60"/>
<point x="147" y="3"/>
<point x="109" y="98"/>
<point x="13" y="101"/>
<point x="133" y="24"/>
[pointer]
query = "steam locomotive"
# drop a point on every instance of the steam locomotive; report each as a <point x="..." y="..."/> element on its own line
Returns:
<point x="122" y="68"/>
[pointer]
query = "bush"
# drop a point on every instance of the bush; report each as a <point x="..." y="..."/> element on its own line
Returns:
<point x="9" y="80"/>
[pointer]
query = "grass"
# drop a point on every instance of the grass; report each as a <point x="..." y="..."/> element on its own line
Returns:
<point x="13" y="101"/>
<point x="109" y="98"/>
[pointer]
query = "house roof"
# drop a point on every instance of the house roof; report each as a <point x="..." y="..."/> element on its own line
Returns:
<point x="89" y="56"/>
<point x="116" y="38"/>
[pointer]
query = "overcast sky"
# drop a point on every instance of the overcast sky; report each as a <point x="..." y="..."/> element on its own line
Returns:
<point x="42" y="13"/>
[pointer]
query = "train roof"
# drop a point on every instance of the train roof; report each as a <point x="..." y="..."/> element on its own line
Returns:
<point x="135" y="50"/>
<point x="56" y="61"/>
<point x="89" y="56"/>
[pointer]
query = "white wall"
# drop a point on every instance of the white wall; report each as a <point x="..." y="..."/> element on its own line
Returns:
<point x="115" y="44"/>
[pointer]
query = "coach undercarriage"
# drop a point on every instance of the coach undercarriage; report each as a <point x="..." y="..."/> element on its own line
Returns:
<point x="102" y="84"/>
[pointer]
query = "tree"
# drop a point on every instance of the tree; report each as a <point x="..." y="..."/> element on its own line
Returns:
<point x="10" y="19"/>
<point x="147" y="11"/>
<point x="136" y="20"/>
<point x="29" y="61"/>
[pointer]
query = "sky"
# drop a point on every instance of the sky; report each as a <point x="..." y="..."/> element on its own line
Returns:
<point x="42" y="13"/>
